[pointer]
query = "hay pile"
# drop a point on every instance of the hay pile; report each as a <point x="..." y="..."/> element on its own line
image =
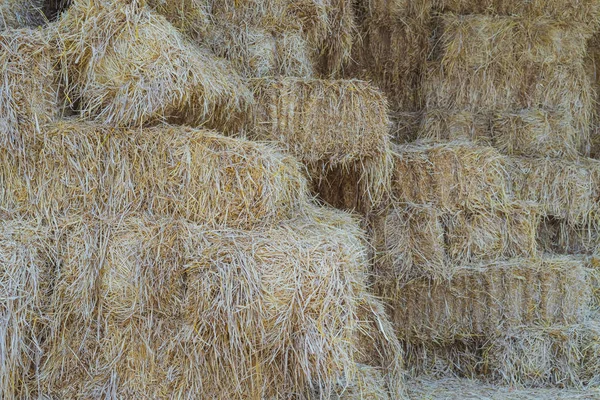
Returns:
<point x="338" y="128"/>
<point x="124" y="65"/>
<point x="29" y="96"/>
<point x="199" y="175"/>
<point x="16" y="14"/>
<point x="147" y="307"/>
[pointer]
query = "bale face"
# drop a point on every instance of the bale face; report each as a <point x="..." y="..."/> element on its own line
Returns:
<point x="329" y="125"/>
<point x="564" y="189"/>
<point x="421" y="241"/>
<point x="542" y="356"/>
<point x="451" y="176"/>
<point x="486" y="299"/>
<point x="15" y="14"/>
<point x="189" y="16"/>
<point x="448" y="125"/>
<point x="26" y="266"/>
<point x="29" y="94"/>
<point x="132" y="68"/>
<point x="171" y="296"/>
<point x="194" y="174"/>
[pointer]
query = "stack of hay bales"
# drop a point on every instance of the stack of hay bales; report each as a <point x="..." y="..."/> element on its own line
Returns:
<point x="482" y="251"/>
<point x="140" y="259"/>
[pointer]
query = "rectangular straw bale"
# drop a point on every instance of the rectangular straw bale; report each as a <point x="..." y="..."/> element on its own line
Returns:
<point x="130" y="67"/>
<point x="486" y="299"/>
<point x="559" y="236"/>
<point x="564" y="189"/>
<point x="447" y="125"/>
<point x="16" y="14"/>
<point x="172" y="296"/>
<point x="392" y="55"/>
<point x="195" y="174"/>
<point x="328" y="125"/>
<point x="451" y="175"/>
<point x="29" y="91"/>
<point x="538" y="133"/>
<point x="441" y="360"/>
<point x="415" y="241"/>
<point x="556" y="355"/>
<point x="26" y="266"/>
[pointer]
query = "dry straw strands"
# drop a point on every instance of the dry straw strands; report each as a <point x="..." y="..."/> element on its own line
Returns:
<point x="452" y="388"/>
<point x="21" y="14"/>
<point x="29" y="91"/>
<point x="564" y="189"/>
<point x="529" y="132"/>
<point x="191" y="17"/>
<point x="196" y="174"/>
<point x="547" y="355"/>
<point x="559" y="236"/>
<point x="421" y="241"/>
<point x="129" y="67"/>
<point x="451" y="176"/>
<point x="329" y="125"/>
<point x="26" y="265"/>
<point x="275" y="310"/>
<point x="485" y="299"/>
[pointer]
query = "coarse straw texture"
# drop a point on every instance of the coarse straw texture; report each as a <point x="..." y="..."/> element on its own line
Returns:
<point x="562" y="356"/>
<point x="339" y="125"/>
<point x="26" y="265"/>
<point x="192" y="17"/>
<point x="15" y="14"/>
<point x="258" y="53"/>
<point x="492" y="63"/>
<point x="485" y="299"/>
<point x="128" y="66"/>
<point x="161" y="307"/>
<point x="440" y="125"/>
<point x="452" y="175"/>
<point x="467" y="389"/>
<point x="416" y="241"/>
<point x="195" y="174"/>
<point x="559" y="236"/>
<point x="405" y="126"/>
<point x="564" y="189"/>
<point x="29" y="91"/>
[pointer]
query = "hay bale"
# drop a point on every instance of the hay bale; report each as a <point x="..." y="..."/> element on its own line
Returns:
<point x="415" y="241"/>
<point x="405" y="126"/>
<point x="442" y="360"/>
<point x="192" y="17"/>
<point x="450" y="176"/>
<point x="538" y="133"/>
<point x="488" y="63"/>
<point x="338" y="126"/>
<point x="26" y="264"/>
<point x="447" y="125"/>
<point x="258" y="53"/>
<point x="563" y="189"/>
<point x="453" y="388"/>
<point x="181" y="305"/>
<point x="391" y="54"/>
<point x="194" y="174"/>
<point x="486" y="299"/>
<point x="15" y="14"/>
<point x="29" y="94"/>
<point x="561" y="237"/>
<point x="563" y="356"/>
<point x="129" y="67"/>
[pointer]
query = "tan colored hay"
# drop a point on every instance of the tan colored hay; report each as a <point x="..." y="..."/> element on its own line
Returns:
<point x="182" y="306"/>
<point x="340" y="126"/>
<point x="405" y="126"/>
<point x="467" y="389"/>
<point x="559" y="236"/>
<point x="189" y="16"/>
<point x="17" y="14"/>
<point x="369" y="384"/>
<point x="537" y="133"/>
<point x="416" y="241"/>
<point x="451" y="176"/>
<point x="258" y="53"/>
<point x="455" y="358"/>
<point x="26" y="264"/>
<point x="563" y="189"/>
<point x="564" y="356"/>
<point x="195" y="174"/>
<point x="29" y="92"/>
<point x="487" y="299"/>
<point x="447" y="125"/>
<point x="130" y="67"/>
<point x="392" y="54"/>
